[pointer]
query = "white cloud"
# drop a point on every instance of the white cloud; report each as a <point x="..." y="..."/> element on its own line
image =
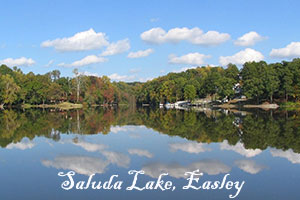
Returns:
<point x="80" y="164"/>
<point x="189" y="147"/>
<point x="116" y="48"/>
<point x="194" y="36"/>
<point x="183" y="69"/>
<point x="86" y="73"/>
<point x="117" y="77"/>
<point x="240" y="149"/>
<point x="145" y="79"/>
<point x="117" y="158"/>
<point x="116" y="129"/>
<point x="211" y="167"/>
<point x="190" y="59"/>
<point x="249" y="39"/>
<point x="290" y="51"/>
<point x="50" y="63"/>
<point x="140" y="152"/>
<point x="241" y="57"/>
<point x="249" y="166"/>
<point x="141" y="53"/>
<point x="24" y="144"/>
<point x="22" y="61"/>
<point x="82" y="41"/>
<point x="289" y="155"/>
<point x="88" y="60"/>
<point x="90" y="147"/>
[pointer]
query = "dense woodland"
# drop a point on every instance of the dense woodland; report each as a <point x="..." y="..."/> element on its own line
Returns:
<point x="18" y="88"/>
<point x="258" y="81"/>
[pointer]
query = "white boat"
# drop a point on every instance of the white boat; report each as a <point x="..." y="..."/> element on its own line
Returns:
<point x="170" y="105"/>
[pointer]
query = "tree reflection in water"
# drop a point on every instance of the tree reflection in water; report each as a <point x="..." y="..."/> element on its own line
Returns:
<point x="255" y="130"/>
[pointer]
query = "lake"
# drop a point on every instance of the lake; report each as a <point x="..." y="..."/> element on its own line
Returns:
<point x="259" y="147"/>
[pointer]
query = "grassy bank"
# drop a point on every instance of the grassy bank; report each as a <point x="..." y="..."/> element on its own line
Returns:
<point x="290" y="105"/>
<point x="64" y="106"/>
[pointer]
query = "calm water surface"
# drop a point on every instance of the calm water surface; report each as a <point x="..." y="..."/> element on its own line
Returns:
<point x="261" y="148"/>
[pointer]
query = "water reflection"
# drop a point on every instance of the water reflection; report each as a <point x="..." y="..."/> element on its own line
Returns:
<point x="240" y="149"/>
<point x="84" y="165"/>
<point x="247" y="135"/>
<point x="259" y="144"/>
<point x="189" y="147"/>
<point x="211" y="167"/>
<point x="249" y="166"/>
<point x="288" y="154"/>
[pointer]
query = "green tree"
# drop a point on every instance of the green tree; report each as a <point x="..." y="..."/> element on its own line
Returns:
<point x="189" y="92"/>
<point x="252" y="76"/>
<point x="8" y="90"/>
<point x="271" y="81"/>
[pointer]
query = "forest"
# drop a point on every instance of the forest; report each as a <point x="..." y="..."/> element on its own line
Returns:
<point x="258" y="81"/>
<point x="17" y="88"/>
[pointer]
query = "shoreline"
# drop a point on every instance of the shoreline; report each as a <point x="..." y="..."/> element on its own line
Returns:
<point x="263" y="106"/>
<point x="65" y="105"/>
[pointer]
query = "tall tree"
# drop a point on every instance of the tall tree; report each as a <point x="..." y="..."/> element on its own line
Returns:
<point x="78" y="83"/>
<point x="8" y="90"/>
<point x="189" y="92"/>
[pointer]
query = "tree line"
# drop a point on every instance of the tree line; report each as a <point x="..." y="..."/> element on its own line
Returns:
<point x="18" y="88"/>
<point x="258" y="81"/>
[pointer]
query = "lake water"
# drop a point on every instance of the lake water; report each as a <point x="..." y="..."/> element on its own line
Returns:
<point x="259" y="147"/>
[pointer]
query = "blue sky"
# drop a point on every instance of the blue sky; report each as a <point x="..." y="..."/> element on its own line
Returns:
<point x="139" y="40"/>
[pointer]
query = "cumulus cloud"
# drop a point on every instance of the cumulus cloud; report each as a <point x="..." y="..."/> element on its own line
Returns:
<point x="189" y="147"/>
<point x="140" y="152"/>
<point x="183" y="69"/>
<point x="190" y="59"/>
<point x="84" y="165"/>
<point x="88" y="60"/>
<point x="240" y="149"/>
<point x="289" y="155"/>
<point x="241" y="57"/>
<point x="249" y="166"/>
<point x="82" y="41"/>
<point x="116" y="129"/>
<point x="175" y="35"/>
<point x="141" y="53"/>
<point x="118" y="77"/>
<point x="24" y="144"/>
<point x="86" y="73"/>
<point x="22" y="61"/>
<point x="249" y="39"/>
<point x="211" y="167"/>
<point x="145" y="79"/>
<point x="290" y="51"/>
<point x="116" y="48"/>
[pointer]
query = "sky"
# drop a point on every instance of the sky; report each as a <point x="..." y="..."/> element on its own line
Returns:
<point x="140" y="40"/>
